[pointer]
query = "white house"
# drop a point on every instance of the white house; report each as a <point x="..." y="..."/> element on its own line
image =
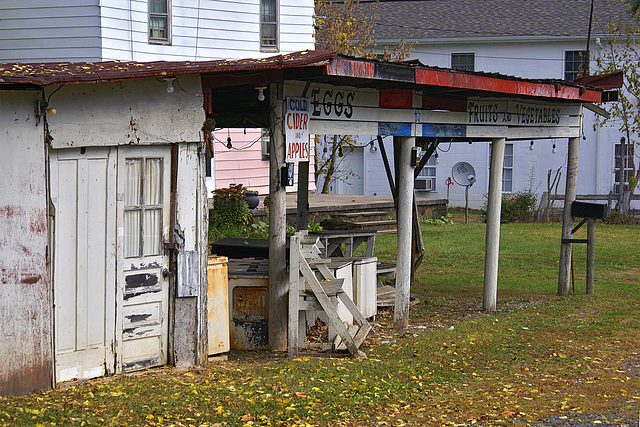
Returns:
<point x="166" y="30"/>
<point x="153" y="30"/>
<point x="538" y="40"/>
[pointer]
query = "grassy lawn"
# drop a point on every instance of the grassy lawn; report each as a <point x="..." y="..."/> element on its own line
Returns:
<point x="539" y="357"/>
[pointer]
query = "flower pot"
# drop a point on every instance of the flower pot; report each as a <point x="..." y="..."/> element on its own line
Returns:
<point x="252" y="200"/>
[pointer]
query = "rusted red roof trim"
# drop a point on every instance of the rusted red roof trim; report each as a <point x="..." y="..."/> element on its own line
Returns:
<point x="454" y="79"/>
<point x="506" y="86"/>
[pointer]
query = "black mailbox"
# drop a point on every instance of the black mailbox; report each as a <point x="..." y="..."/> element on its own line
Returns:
<point x="589" y="210"/>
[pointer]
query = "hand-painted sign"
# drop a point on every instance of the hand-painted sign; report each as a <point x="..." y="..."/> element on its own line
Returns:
<point x="296" y="125"/>
<point x="517" y="113"/>
<point x="367" y="111"/>
<point x="332" y="102"/>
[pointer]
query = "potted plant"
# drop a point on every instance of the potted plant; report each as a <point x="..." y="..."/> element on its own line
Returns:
<point x="252" y="199"/>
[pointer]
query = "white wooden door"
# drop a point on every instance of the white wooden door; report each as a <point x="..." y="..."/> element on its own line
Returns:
<point x="143" y="285"/>
<point x="83" y="184"/>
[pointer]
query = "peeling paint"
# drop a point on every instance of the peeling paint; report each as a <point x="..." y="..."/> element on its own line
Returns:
<point x="9" y="211"/>
<point x="135" y="318"/>
<point x="30" y="280"/>
<point x="140" y="283"/>
<point x="134" y="281"/>
<point x="38" y="222"/>
<point x="140" y="364"/>
<point x="249" y="318"/>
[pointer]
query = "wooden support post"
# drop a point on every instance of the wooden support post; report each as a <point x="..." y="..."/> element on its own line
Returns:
<point x="564" y="270"/>
<point x="492" y="242"/>
<point x="404" y="172"/>
<point x="591" y="254"/>
<point x="302" y="211"/>
<point x="278" y="292"/>
<point x="294" y="294"/>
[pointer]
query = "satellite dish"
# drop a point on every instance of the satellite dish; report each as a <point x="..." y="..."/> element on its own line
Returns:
<point x="463" y="174"/>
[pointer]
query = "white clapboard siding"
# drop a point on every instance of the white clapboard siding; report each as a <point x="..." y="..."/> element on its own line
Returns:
<point x="104" y="30"/>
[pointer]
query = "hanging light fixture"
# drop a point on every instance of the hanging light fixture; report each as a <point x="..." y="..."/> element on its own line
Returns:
<point x="531" y="145"/>
<point x="260" y="90"/>
<point x="229" y="146"/>
<point x="554" y="150"/>
<point x="437" y="160"/>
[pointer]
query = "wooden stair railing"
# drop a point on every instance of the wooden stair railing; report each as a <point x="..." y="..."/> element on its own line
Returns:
<point x="306" y="291"/>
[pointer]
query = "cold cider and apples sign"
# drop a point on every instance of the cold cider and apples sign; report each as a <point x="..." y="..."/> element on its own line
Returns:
<point x="296" y="125"/>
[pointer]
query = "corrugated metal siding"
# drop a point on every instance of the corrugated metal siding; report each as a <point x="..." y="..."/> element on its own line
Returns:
<point x="25" y="290"/>
<point x="42" y="31"/>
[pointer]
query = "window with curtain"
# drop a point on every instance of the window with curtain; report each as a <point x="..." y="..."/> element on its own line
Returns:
<point x="143" y="207"/>
<point x="159" y="21"/>
<point x="269" y="24"/>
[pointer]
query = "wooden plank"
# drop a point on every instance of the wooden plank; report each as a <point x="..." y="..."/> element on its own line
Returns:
<point x="543" y="132"/>
<point x="330" y="287"/>
<point x="329" y="127"/>
<point x="294" y="292"/>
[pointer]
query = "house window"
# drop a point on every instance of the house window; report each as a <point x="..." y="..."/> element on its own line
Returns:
<point x="159" y="21"/>
<point x="269" y="25"/>
<point x="426" y="179"/>
<point x="573" y="64"/>
<point x="143" y="207"/>
<point x="266" y="140"/>
<point x="623" y="160"/>
<point x="463" y="61"/>
<point x="507" y="168"/>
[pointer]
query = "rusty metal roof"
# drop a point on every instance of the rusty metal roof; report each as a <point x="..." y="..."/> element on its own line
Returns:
<point x="45" y="74"/>
<point x="317" y="66"/>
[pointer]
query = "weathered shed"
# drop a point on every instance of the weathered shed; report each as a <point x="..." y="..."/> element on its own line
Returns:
<point x="103" y="210"/>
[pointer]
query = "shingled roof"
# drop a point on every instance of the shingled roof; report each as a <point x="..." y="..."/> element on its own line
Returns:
<point x="448" y="19"/>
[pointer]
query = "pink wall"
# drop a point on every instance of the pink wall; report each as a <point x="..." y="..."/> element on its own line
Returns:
<point x="243" y="163"/>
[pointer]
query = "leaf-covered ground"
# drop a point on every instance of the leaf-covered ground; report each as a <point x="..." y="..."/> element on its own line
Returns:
<point x="539" y="360"/>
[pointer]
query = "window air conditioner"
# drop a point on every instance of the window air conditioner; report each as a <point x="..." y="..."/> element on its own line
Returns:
<point x="425" y="184"/>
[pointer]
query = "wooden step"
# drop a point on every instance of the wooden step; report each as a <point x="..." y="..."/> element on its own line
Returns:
<point x="363" y="215"/>
<point x="386" y="269"/>
<point x="330" y="287"/>
<point x="377" y="225"/>
<point x="366" y="213"/>
<point x="389" y="231"/>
